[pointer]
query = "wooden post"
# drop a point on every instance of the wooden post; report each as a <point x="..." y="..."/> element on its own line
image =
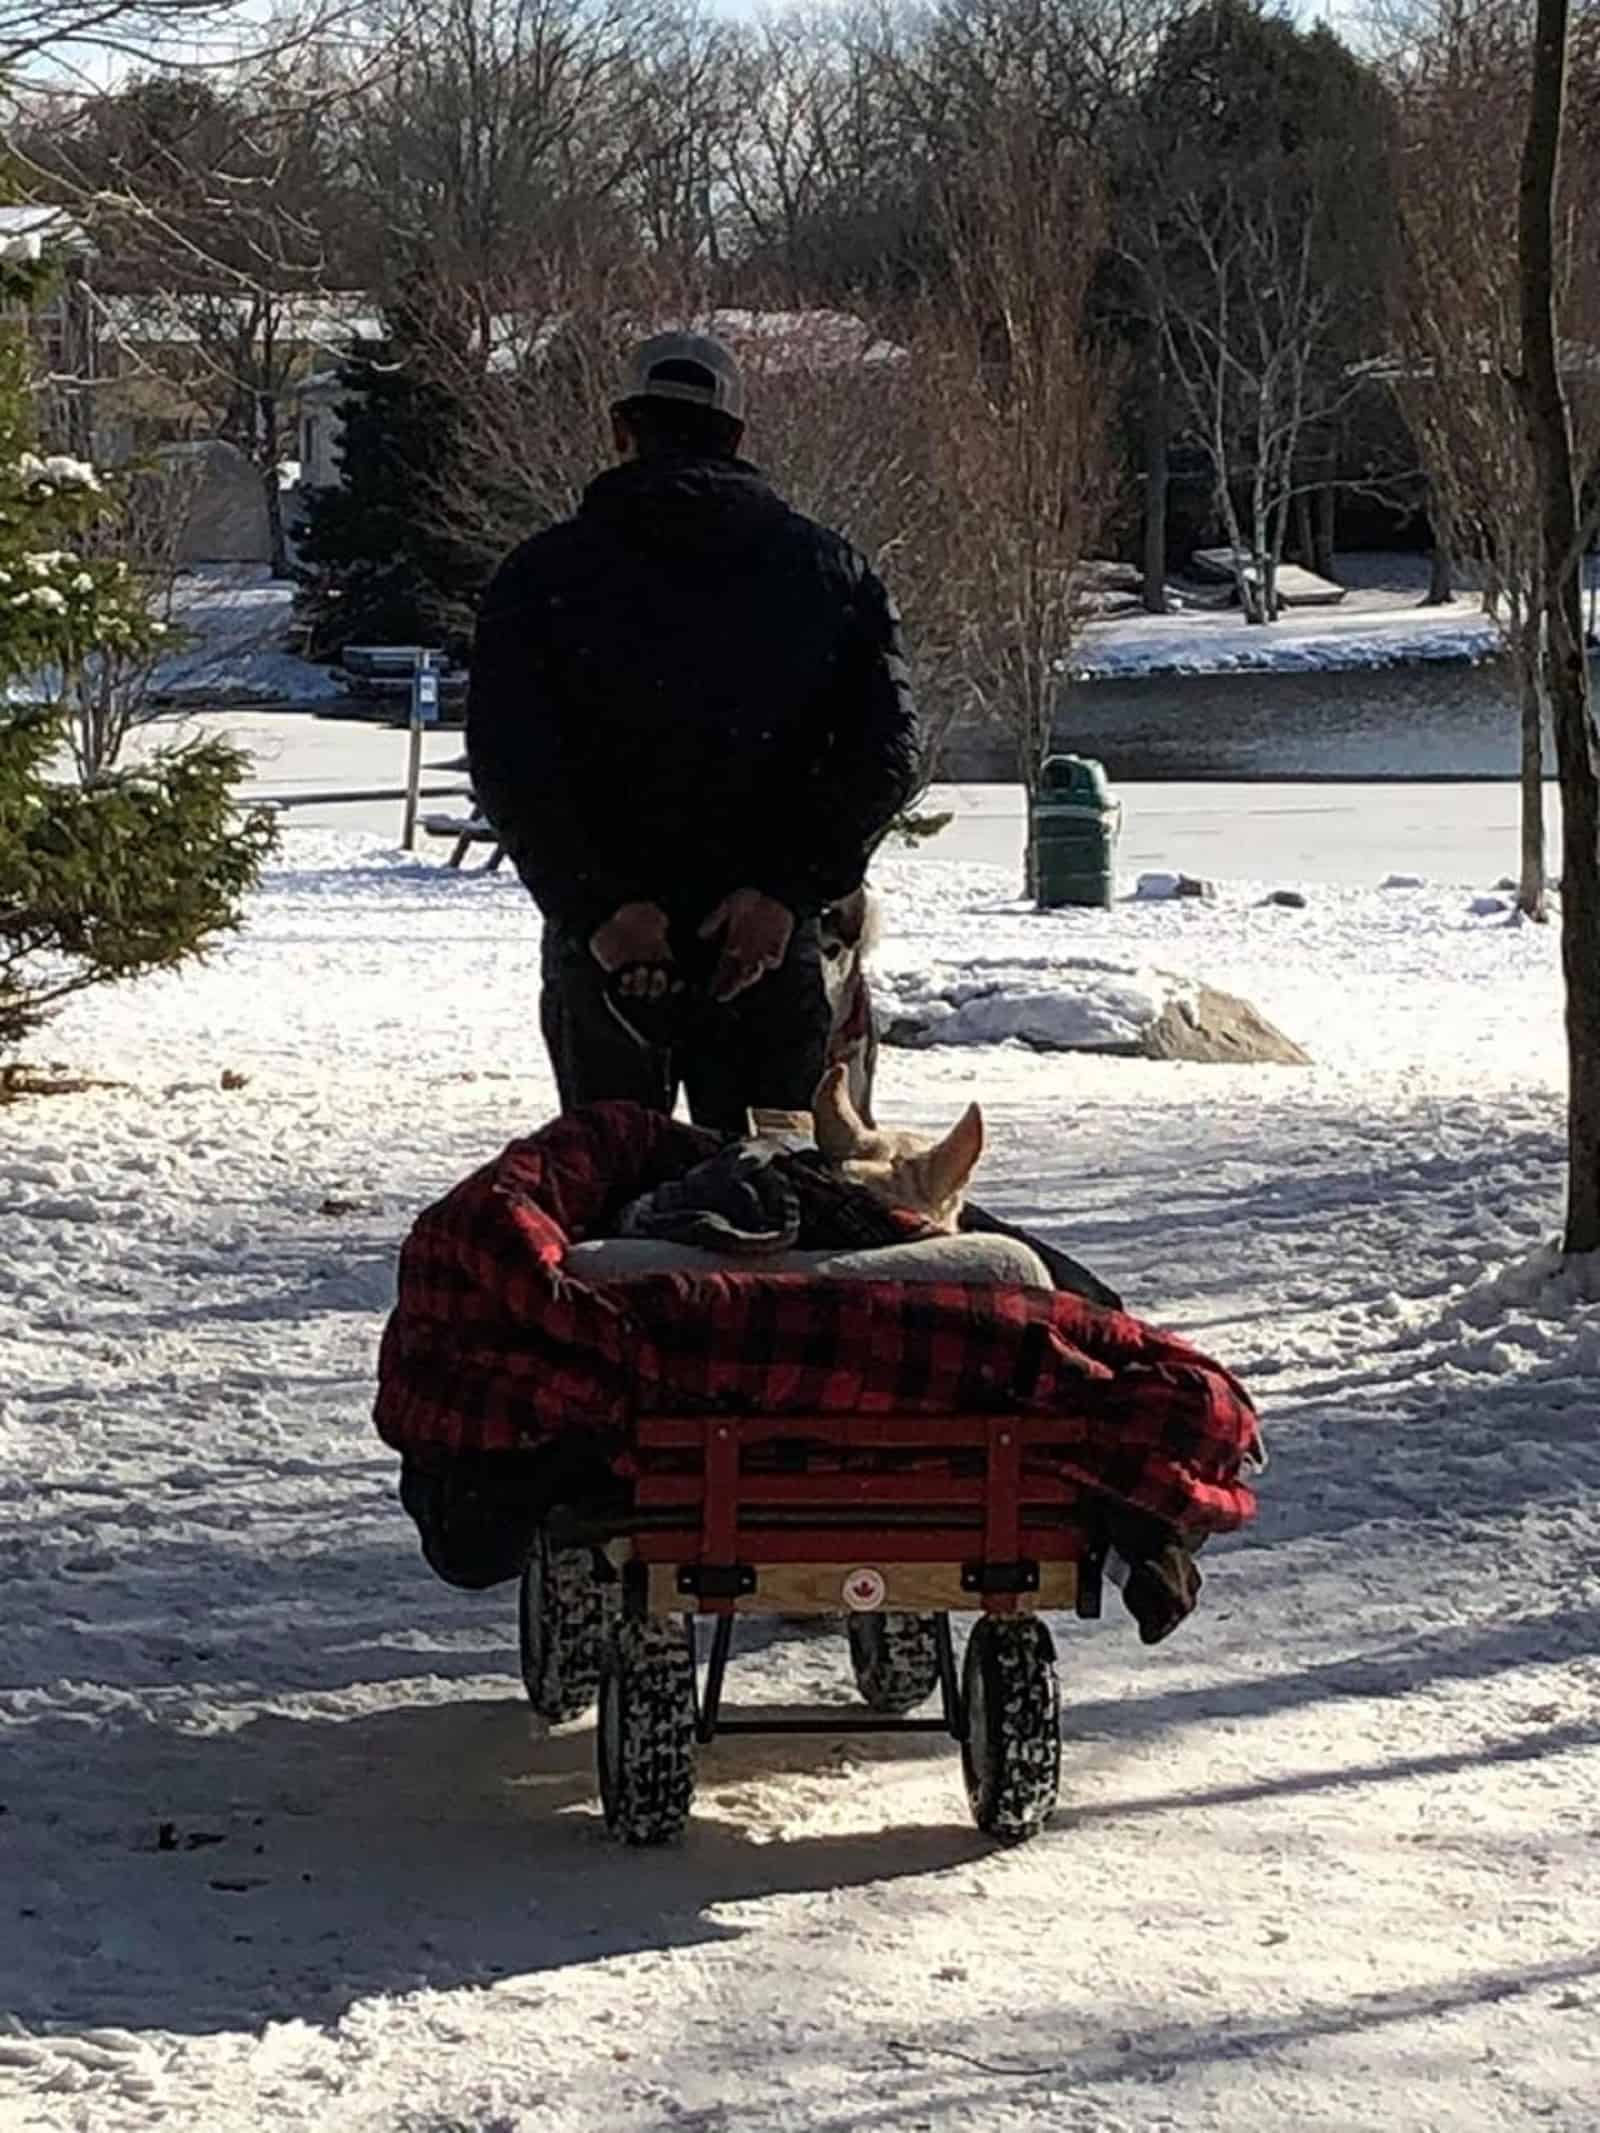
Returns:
<point x="424" y="712"/>
<point x="408" y="826"/>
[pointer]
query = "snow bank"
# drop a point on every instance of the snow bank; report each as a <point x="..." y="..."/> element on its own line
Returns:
<point x="1367" y="631"/>
<point x="1071" y="1003"/>
<point x="236" y="624"/>
<point x="1541" y="1279"/>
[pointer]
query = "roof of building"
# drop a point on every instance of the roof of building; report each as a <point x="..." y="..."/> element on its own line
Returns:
<point x="769" y="343"/>
<point x="33" y="227"/>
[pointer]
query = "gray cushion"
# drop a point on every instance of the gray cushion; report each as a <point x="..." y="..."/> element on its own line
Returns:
<point x="981" y="1260"/>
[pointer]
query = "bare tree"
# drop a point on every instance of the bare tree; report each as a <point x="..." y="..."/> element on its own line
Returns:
<point x="1242" y="330"/>
<point x="851" y="418"/>
<point x="676" y="111"/>
<point x="1577" y="746"/>
<point x="501" y="128"/>
<point x="112" y="691"/>
<point x="1028" y="396"/>
<point x="821" y="166"/>
<point x="78" y="34"/>
<point x="1457" y="327"/>
<point x="531" y="386"/>
<point x="1253" y="238"/>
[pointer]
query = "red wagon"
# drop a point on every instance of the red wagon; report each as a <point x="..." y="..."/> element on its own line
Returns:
<point x="747" y="1443"/>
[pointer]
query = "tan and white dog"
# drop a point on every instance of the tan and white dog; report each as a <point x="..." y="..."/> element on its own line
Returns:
<point x="902" y="1169"/>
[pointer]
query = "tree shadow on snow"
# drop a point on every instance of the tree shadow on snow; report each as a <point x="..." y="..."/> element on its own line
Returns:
<point x="204" y="1881"/>
<point x="1003" y="2069"/>
<point x="1471" y="1653"/>
<point x="1351" y="1183"/>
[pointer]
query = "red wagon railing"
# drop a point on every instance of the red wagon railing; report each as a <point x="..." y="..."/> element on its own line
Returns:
<point x="852" y="1515"/>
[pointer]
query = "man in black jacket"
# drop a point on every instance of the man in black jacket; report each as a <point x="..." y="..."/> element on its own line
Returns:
<point x="690" y="722"/>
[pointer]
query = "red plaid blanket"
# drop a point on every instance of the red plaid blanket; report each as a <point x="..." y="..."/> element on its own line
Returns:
<point x="492" y="1347"/>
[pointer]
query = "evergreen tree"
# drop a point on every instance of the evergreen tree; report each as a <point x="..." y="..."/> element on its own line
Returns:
<point x="378" y="562"/>
<point x="136" y="871"/>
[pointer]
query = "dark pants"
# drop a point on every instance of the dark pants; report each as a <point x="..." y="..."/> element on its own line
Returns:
<point x="766" y="1049"/>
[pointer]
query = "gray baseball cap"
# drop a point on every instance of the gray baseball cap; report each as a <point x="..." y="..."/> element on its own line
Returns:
<point x="688" y="367"/>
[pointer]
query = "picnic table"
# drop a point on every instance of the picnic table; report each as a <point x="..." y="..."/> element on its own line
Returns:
<point x="466" y="829"/>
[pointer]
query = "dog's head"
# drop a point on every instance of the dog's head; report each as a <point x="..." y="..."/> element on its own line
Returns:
<point x="901" y="1169"/>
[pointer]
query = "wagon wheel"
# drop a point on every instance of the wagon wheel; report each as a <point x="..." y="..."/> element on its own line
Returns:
<point x="896" y="1660"/>
<point x="563" y="1608"/>
<point x="645" y="1740"/>
<point x="1011" y="1757"/>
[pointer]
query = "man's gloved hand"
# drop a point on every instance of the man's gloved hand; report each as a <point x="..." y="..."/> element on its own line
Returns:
<point x="756" y="931"/>
<point x="634" y="941"/>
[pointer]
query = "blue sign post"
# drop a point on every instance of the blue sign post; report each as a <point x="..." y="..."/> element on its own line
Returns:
<point x="425" y="692"/>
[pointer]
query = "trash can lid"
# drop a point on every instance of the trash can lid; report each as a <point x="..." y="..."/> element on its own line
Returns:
<point x="1077" y="779"/>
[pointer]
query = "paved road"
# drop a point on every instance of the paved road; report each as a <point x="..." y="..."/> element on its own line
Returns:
<point x="1296" y="832"/>
<point x="1302" y="832"/>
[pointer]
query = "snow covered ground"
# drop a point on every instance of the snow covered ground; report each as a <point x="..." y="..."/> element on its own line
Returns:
<point x="279" y="1845"/>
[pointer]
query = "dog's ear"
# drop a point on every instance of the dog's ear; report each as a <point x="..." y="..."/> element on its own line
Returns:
<point x="838" y="1131"/>
<point x="947" y="1166"/>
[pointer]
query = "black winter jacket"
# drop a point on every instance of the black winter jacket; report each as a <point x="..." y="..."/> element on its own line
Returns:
<point x="686" y="689"/>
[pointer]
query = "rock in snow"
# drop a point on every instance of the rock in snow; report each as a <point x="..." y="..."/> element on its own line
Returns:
<point x="1157" y="888"/>
<point x="1212" y="1028"/>
<point x="1163" y="888"/>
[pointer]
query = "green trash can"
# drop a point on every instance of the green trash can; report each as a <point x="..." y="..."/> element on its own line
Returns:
<point x="1076" y="820"/>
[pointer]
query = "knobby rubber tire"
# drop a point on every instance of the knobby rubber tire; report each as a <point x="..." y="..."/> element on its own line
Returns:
<point x="1011" y="1758"/>
<point x="645" y="1738"/>
<point x="896" y="1660"/>
<point x="564" y="1610"/>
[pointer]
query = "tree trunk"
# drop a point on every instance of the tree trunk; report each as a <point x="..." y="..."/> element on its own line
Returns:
<point x="277" y="537"/>
<point x="1264" y="564"/>
<point x="1441" y="575"/>
<point x="1305" y="539"/>
<point x="1531" y="881"/>
<point x="1441" y="563"/>
<point x="1576" y="751"/>
<point x="1156" y="480"/>
<point x="277" y="533"/>
<point x="1325" y="552"/>
<point x="80" y="338"/>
